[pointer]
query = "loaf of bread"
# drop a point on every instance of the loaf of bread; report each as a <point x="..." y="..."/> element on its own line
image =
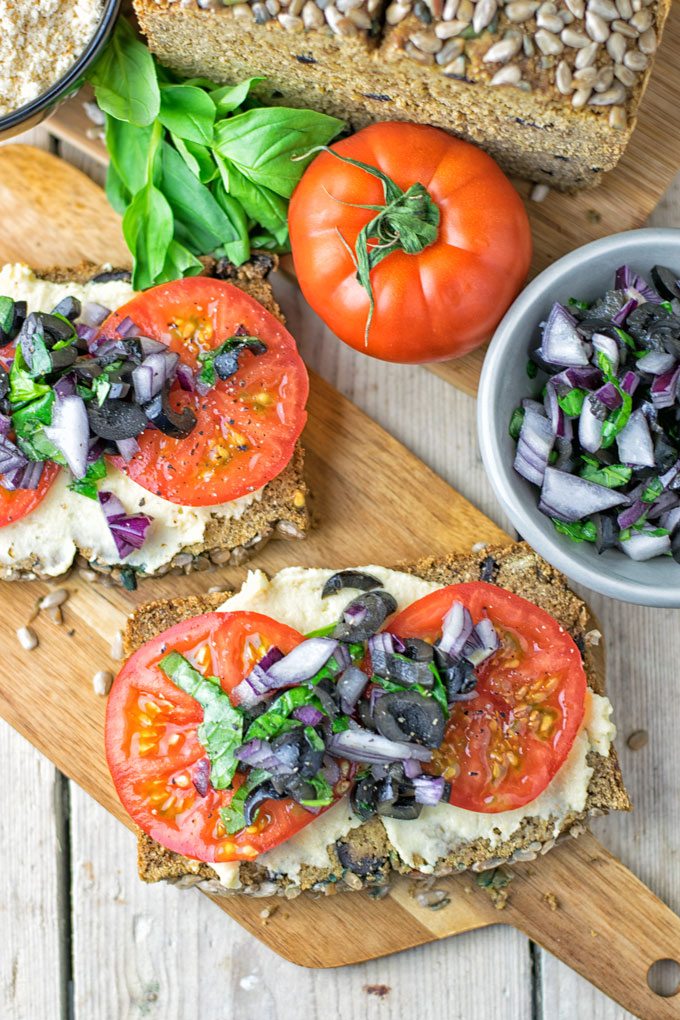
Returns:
<point x="550" y="89"/>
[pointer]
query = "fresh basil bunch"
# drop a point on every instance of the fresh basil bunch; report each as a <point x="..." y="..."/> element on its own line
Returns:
<point x="196" y="168"/>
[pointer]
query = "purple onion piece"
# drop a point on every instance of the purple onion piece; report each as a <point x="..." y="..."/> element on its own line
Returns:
<point x="357" y="744"/>
<point x="185" y="377"/>
<point x="589" y="428"/>
<point x="620" y="317"/>
<point x="412" y="768"/>
<point x="668" y="477"/>
<point x="628" y="517"/>
<point x="11" y="457"/>
<point x="351" y="685"/>
<point x="429" y="790"/>
<point x="128" y="530"/>
<point x="331" y="770"/>
<point x="562" y="344"/>
<point x="70" y="431"/>
<point x="86" y="333"/>
<point x="634" y="442"/>
<point x="127" y="448"/>
<point x="126" y="327"/>
<point x="5" y="425"/>
<point x="571" y="498"/>
<point x="609" y="347"/>
<point x="630" y="382"/>
<point x="93" y="314"/>
<point x="154" y="373"/>
<point x="308" y="715"/>
<point x="66" y="386"/>
<point x="665" y="388"/>
<point x="27" y="477"/>
<point x="456" y="629"/>
<point x="668" y="500"/>
<point x="671" y="519"/>
<point x="645" y="546"/>
<point x="609" y="396"/>
<point x="656" y="363"/>
<point x="200" y="777"/>
<point x="627" y="279"/>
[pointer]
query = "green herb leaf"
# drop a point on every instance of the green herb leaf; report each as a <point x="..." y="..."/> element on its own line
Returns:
<point x="618" y="419"/>
<point x="237" y="250"/>
<point x="626" y="338"/>
<point x="611" y="475"/>
<point x="188" y="112"/>
<point x="179" y="262"/>
<point x="147" y="228"/>
<point x="221" y="731"/>
<point x="28" y="422"/>
<point x="231" y="815"/>
<point x="653" y="491"/>
<point x="577" y="531"/>
<point x="532" y="369"/>
<point x="228" y="98"/>
<point x="516" y="422"/>
<point x="575" y="303"/>
<point x="198" y="158"/>
<point x="272" y="146"/>
<point x="87" y="485"/>
<point x="124" y="78"/>
<point x="6" y="315"/>
<point x="130" y="149"/>
<point x="275" y="720"/>
<point x="572" y="402"/>
<point x="22" y="386"/>
<point x="324" y="792"/>
<point x="262" y="205"/>
<point x="236" y="344"/>
<point x="118" y="195"/>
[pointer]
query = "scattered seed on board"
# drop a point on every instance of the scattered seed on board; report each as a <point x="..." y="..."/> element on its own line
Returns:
<point x="637" y="740"/>
<point x="54" y="598"/>
<point x="28" y="639"/>
<point x="56" y="616"/>
<point x="102" y="681"/>
<point x="117" y="652"/>
<point x="539" y="192"/>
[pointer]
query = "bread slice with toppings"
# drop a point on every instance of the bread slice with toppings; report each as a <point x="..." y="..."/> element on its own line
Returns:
<point x="212" y="538"/>
<point x="338" y="852"/>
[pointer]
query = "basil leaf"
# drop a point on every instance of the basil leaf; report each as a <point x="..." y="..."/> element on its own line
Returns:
<point x="87" y="485"/>
<point x="323" y="790"/>
<point x="237" y="251"/>
<point x="275" y="720"/>
<point x="653" y="491"/>
<point x="147" y="228"/>
<point x="179" y="262"/>
<point x="6" y="315"/>
<point x="611" y="475"/>
<point x="118" y="195"/>
<point x="124" y="78"/>
<point x="626" y="338"/>
<point x="575" y="303"/>
<point x="340" y="724"/>
<point x="22" y="386"/>
<point x="572" y="402"/>
<point x="188" y="112"/>
<point x="262" y="205"/>
<point x="577" y="531"/>
<point x="228" y="98"/>
<point x="129" y="148"/>
<point x="198" y="158"/>
<point x="439" y="690"/>
<point x="231" y="815"/>
<point x="28" y="424"/>
<point x="271" y="145"/>
<point x="221" y="731"/>
<point x="532" y="369"/>
<point x="234" y="344"/>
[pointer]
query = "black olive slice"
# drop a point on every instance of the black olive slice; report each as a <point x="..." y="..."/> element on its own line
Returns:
<point x="173" y="424"/>
<point x="667" y="282"/>
<point x="265" y="791"/>
<point x="349" y="579"/>
<point x="111" y="275"/>
<point x="69" y="307"/>
<point x="409" y="716"/>
<point x="363" y="798"/>
<point x="364" y="616"/>
<point x="116" y="419"/>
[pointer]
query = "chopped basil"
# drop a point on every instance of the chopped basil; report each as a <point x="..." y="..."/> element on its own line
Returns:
<point x="6" y="315"/>
<point x="221" y="731"/>
<point x="611" y="475"/>
<point x="575" y="303"/>
<point x="324" y="792"/>
<point x="532" y="369"/>
<point x="653" y="491"/>
<point x="340" y="724"/>
<point x="231" y="815"/>
<point x="22" y="386"/>
<point x="87" y="485"/>
<point x="572" y="402"/>
<point x="626" y="338"/>
<point x="276" y="719"/>
<point x="232" y="347"/>
<point x="577" y="531"/>
<point x="618" y="419"/>
<point x="516" y="421"/>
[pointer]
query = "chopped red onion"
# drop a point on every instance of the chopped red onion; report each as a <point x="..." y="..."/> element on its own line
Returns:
<point x="126" y="327"/>
<point x="412" y="768"/>
<point x="128" y="530"/>
<point x="351" y="686"/>
<point x="483" y="642"/>
<point x="634" y="442"/>
<point x="308" y="715"/>
<point x="630" y="382"/>
<point x="185" y="377"/>
<point x="671" y="519"/>
<point x="70" y="430"/>
<point x="631" y="514"/>
<point x="535" y="443"/>
<point x="27" y="477"/>
<point x="154" y="373"/>
<point x="562" y="344"/>
<point x="656" y="362"/>
<point x="357" y="744"/>
<point x="93" y="314"/>
<point x="627" y="279"/>
<point x="127" y="448"/>
<point x="456" y="629"/>
<point x="609" y="396"/>
<point x="589" y="428"/>
<point x="429" y="790"/>
<point x="620" y="317"/>
<point x="570" y="498"/>
<point x="668" y="477"/>
<point x="645" y="546"/>
<point x="608" y="346"/>
<point x="665" y="388"/>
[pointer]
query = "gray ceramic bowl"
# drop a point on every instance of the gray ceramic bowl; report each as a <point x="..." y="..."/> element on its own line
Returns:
<point x="33" y="113"/>
<point x="585" y="273"/>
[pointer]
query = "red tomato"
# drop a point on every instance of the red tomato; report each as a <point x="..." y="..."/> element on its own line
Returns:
<point x="247" y="426"/>
<point x="439" y="303"/>
<point x="153" y="750"/>
<point x="17" y="503"/>
<point x="502" y="748"/>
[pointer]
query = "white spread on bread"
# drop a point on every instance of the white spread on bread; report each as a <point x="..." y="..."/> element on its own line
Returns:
<point x="66" y="522"/>
<point x="293" y="596"/>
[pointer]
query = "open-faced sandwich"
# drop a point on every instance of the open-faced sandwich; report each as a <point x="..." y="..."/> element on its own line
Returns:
<point x="145" y="432"/>
<point x="322" y="730"/>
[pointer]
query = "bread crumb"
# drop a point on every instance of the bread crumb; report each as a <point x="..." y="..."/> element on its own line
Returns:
<point x="552" y="901"/>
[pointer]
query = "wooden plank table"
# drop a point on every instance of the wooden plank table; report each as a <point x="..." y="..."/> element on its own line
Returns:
<point x="84" y="939"/>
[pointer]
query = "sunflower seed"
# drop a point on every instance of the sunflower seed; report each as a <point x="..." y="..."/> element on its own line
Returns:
<point x="117" y="653"/>
<point x="576" y="40"/>
<point x="503" y="51"/>
<point x="273" y="6"/>
<point x="577" y="7"/>
<point x="563" y="78"/>
<point x="635" y="60"/>
<point x="618" y="120"/>
<point x="484" y="14"/>
<point x="641" y="20"/>
<point x="648" y="42"/>
<point x="566" y="17"/>
<point x="456" y="69"/>
<point x="548" y="42"/>
<point x="450" y="50"/>
<point x="291" y="23"/>
<point x="580" y="98"/>
<point x="450" y="9"/>
<point x="261" y="14"/>
<point x="295" y="7"/>
<point x="508" y="75"/>
<point x="413" y="51"/>
<point x="625" y="9"/>
<point x="449" y="29"/>
<point x="547" y="8"/>
<point x="638" y="738"/>
<point x="612" y="97"/>
<point x="616" y="47"/>
<point x="312" y="17"/>
<point x="605" y="8"/>
<point x="436" y="8"/>
<point x="101" y="682"/>
<point x="586" y="56"/>
<point x="528" y="46"/>
<point x="596" y="27"/>
<point x="396" y="13"/>
<point x="28" y="639"/>
<point x="585" y="78"/>
<point x="242" y="11"/>
<point x="347" y="5"/>
<point x="435" y="899"/>
<point x="465" y="11"/>
<point x="519" y="10"/>
<point x="605" y="78"/>
<point x="539" y="193"/>
<point x="426" y="41"/>
<point x="625" y="75"/>
<point x="625" y="29"/>
<point x="550" y="21"/>
<point x="54" y="598"/>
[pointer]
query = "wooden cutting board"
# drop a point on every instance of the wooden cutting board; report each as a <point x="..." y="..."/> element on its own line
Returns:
<point x="578" y="901"/>
<point x="562" y="222"/>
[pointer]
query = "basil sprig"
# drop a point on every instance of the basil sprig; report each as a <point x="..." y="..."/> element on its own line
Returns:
<point x="196" y="168"/>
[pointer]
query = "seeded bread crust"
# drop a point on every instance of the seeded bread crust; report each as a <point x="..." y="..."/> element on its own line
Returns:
<point x="282" y="510"/>
<point x="514" y="76"/>
<point x="365" y="857"/>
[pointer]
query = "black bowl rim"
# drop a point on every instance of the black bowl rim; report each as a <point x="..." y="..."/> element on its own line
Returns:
<point x="91" y="51"/>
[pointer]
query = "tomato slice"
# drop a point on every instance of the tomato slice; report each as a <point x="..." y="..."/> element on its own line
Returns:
<point x="153" y="750"/>
<point x="17" y="503"/>
<point x="247" y="426"/>
<point x="502" y="748"/>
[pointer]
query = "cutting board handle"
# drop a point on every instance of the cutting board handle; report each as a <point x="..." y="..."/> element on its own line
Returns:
<point x="586" y="908"/>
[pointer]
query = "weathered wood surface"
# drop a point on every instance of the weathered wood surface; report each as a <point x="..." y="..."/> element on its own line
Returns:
<point x="126" y="955"/>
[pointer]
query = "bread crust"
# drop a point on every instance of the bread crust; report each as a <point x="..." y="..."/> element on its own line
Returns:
<point x="365" y="857"/>
<point x="281" y="512"/>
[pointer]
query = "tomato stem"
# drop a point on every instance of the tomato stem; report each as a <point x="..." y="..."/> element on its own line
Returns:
<point x="408" y="222"/>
